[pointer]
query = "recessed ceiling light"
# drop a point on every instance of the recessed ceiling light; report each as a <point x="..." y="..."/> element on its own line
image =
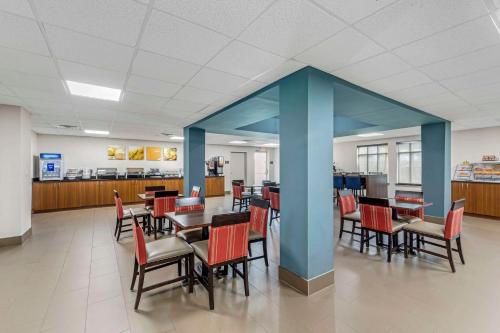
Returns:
<point x="238" y="142"/>
<point x="93" y="91"/>
<point x="88" y="131"/>
<point x="271" y="145"/>
<point x="175" y="137"/>
<point x="369" y="135"/>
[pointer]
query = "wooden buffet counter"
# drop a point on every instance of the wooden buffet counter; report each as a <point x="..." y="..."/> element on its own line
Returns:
<point x="60" y="195"/>
<point x="481" y="198"/>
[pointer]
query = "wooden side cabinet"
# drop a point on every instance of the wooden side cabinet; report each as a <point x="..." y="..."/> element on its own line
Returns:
<point x="480" y="198"/>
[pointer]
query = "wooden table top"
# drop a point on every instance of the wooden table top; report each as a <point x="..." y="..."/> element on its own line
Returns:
<point x="393" y="203"/>
<point x="144" y="196"/>
<point x="196" y="219"/>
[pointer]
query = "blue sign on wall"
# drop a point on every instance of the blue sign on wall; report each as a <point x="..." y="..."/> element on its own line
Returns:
<point x="47" y="156"/>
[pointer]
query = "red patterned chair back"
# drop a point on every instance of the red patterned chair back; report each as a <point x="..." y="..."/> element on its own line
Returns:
<point x="274" y="196"/>
<point x="413" y="197"/>
<point x="375" y="214"/>
<point x="150" y="190"/>
<point x="238" y="190"/>
<point x="347" y="202"/>
<point x="195" y="192"/>
<point x="265" y="193"/>
<point x="164" y="202"/>
<point x="118" y="205"/>
<point x="186" y="205"/>
<point x="228" y="238"/>
<point x="453" y="226"/>
<point x="140" y="244"/>
<point x="259" y="209"/>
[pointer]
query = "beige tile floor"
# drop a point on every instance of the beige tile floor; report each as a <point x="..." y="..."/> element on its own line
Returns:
<point x="71" y="276"/>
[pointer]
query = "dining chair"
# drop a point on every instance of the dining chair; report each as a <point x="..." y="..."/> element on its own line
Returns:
<point x="265" y="190"/>
<point x="187" y="206"/>
<point x="338" y="184"/>
<point x="408" y="215"/>
<point x="259" y="210"/>
<point x="164" y="202"/>
<point x="123" y="214"/>
<point x="376" y="216"/>
<point x="195" y="191"/>
<point x="150" y="190"/>
<point x="353" y="182"/>
<point x="240" y="197"/>
<point x="227" y="245"/>
<point x="158" y="254"/>
<point x="452" y="230"/>
<point x="348" y="212"/>
<point x="274" y="195"/>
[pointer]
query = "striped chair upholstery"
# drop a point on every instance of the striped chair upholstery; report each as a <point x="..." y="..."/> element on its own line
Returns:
<point x="150" y="190"/>
<point x="275" y="200"/>
<point x="227" y="241"/>
<point x="191" y="208"/>
<point x="453" y="226"/>
<point x="258" y="219"/>
<point x="238" y="191"/>
<point x="119" y="207"/>
<point x="413" y="197"/>
<point x="195" y="192"/>
<point x="347" y="204"/>
<point x="265" y="193"/>
<point x="376" y="218"/>
<point x="163" y="205"/>
<point x="140" y="244"/>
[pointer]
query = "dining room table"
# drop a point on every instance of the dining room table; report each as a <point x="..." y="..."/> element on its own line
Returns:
<point x="147" y="196"/>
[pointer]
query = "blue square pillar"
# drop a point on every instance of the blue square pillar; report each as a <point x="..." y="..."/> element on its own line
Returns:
<point x="436" y="167"/>
<point x="194" y="159"/>
<point x="306" y="182"/>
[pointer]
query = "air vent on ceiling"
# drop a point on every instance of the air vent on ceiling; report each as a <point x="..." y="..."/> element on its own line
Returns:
<point x="64" y="126"/>
<point x="166" y="134"/>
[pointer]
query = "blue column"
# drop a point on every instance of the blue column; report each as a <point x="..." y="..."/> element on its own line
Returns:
<point x="306" y="157"/>
<point x="194" y="159"/>
<point x="436" y="167"/>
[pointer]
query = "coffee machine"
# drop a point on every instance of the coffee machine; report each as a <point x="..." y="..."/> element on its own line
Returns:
<point x="215" y="166"/>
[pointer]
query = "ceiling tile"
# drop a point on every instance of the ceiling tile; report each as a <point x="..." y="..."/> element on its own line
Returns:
<point x="5" y="91"/>
<point x="163" y="68"/>
<point x="77" y="47"/>
<point x="27" y="34"/>
<point x="152" y="87"/>
<point x="407" y="21"/>
<point x="58" y="96"/>
<point x="291" y="26"/>
<point x="353" y="10"/>
<point x="117" y="20"/>
<point x="280" y="71"/>
<point x="465" y="64"/>
<point x="480" y="95"/>
<point x="144" y="100"/>
<point x="244" y="60"/>
<point x="229" y="17"/>
<point x="380" y="66"/>
<point x="96" y="124"/>
<point x="9" y="100"/>
<point x="404" y="80"/>
<point x="91" y="75"/>
<point x="97" y="115"/>
<point x="196" y="95"/>
<point x="27" y="62"/>
<point x="43" y="83"/>
<point x="183" y="106"/>
<point x="212" y="79"/>
<point x="474" y="80"/>
<point x="346" y="47"/>
<point x="179" y="39"/>
<point x="418" y="93"/>
<point x="19" y="7"/>
<point x="451" y="43"/>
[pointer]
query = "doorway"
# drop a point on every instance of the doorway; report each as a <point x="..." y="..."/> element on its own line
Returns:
<point x="260" y="167"/>
<point x="238" y="166"/>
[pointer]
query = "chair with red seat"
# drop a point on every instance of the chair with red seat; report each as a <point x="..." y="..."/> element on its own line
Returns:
<point x="164" y="202"/>
<point x="376" y="216"/>
<point x="274" y="197"/>
<point x="452" y="230"/>
<point x="188" y="206"/>
<point x="226" y="245"/>
<point x="195" y="192"/>
<point x="348" y="212"/>
<point x="408" y="215"/>
<point x="124" y="214"/>
<point x="158" y="254"/>
<point x="240" y="197"/>
<point x="150" y="190"/>
<point x="259" y="209"/>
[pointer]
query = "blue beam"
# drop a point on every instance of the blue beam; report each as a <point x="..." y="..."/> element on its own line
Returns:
<point x="436" y="167"/>
<point x="194" y="159"/>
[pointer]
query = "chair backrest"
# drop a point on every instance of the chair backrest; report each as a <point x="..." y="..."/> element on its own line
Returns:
<point x="453" y="225"/>
<point x="259" y="210"/>
<point x="238" y="190"/>
<point x="265" y="193"/>
<point x="195" y="191"/>
<point x="238" y="182"/>
<point x="186" y="205"/>
<point x="353" y="182"/>
<point x="413" y="197"/>
<point x="375" y="214"/>
<point x="154" y="188"/>
<point x="140" y="243"/>
<point x="164" y="202"/>
<point x="119" y="206"/>
<point x="228" y="238"/>
<point x="338" y="181"/>
<point x="115" y="192"/>
<point x="347" y="202"/>
<point x="274" y="196"/>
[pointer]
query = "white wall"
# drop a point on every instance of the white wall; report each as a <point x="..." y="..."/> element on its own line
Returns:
<point x="89" y="152"/>
<point x="15" y="176"/>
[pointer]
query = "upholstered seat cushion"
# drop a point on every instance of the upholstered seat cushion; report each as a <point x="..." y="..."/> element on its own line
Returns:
<point x="409" y="218"/>
<point x="190" y="235"/>
<point x="140" y="212"/>
<point x="426" y="228"/>
<point x="201" y="249"/>
<point x="166" y="248"/>
<point x="398" y="225"/>
<point x="254" y="235"/>
<point x="354" y="216"/>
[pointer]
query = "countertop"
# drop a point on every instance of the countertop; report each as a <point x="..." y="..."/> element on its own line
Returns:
<point x="476" y="181"/>
<point x="119" y="179"/>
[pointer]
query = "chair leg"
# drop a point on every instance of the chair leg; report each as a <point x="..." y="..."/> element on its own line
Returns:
<point x="155" y="228"/>
<point x="361" y="248"/>
<point x="119" y="229"/>
<point x="211" y="288"/>
<point x="190" y="259"/>
<point x="405" y="240"/>
<point x="459" y="248"/>
<point x="134" y="276"/>
<point x="264" y="249"/>
<point x="234" y="202"/>
<point x="389" y="248"/>
<point x="186" y="266"/>
<point x="271" y="218"/>
<point x="353" y="227"/>
<point x="149" y="225"/>
<point x="250" y="249"/>
<point x="450" y="257"/>
<point x="116" y="226"/>
<point x="142" y="271"/>
<point x="179" y="268"/>
<point x="245" y="275"/>
<point x="341" y="228"/>
<point x="234" y="266"/>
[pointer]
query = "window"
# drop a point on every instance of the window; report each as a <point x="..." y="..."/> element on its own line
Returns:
<point x="372" y="158"/>
<point x="409" y="163"/>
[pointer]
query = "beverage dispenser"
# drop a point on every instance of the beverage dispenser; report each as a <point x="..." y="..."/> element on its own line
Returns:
<point x="51" y="166"/>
